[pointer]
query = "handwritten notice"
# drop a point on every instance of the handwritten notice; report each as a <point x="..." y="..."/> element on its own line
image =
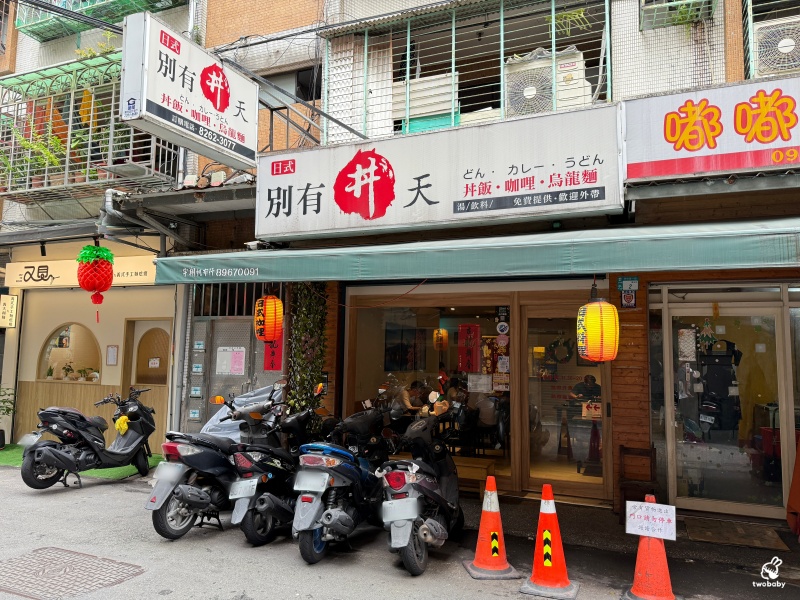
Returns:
<point x="650" y="520"/>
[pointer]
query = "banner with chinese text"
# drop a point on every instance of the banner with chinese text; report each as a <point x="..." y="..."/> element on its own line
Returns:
<point x="469" y="343"/>
<point x="732" y="129"/>
<point x="273" y="355"/>
<point x="532" y="168"/>
<point x="176" y="90"/>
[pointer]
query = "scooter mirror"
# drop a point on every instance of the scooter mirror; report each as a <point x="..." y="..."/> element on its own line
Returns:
<point x="217" y="400"/>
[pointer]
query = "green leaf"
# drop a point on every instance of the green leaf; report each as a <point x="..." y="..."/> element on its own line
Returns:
<point x="92" y="253"/>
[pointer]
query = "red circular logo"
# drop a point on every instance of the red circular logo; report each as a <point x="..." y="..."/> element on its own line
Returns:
<point x="215" y="87"/>
<point x="365" y="186"/>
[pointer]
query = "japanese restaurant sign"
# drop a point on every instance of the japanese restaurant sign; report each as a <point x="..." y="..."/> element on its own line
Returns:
<point x="732" y="129"/>
<point x="534" y="168"/>
<point x="176" y="90"/>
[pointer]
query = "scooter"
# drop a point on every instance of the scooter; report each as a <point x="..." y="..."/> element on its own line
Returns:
<point x="421" y="506"/>
<point x="337" y="488"/>
<point x="81" y="444"/>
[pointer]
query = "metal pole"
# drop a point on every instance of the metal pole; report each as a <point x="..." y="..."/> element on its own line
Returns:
<point x="408" y="76"/>
<point x="609" y="96"/>
<point x="364" y="91"/>
<point x="502" y="60"/>
<point x="553" y="51"/>
<point x="453" y="71"/>
<point x="325" y="88"/>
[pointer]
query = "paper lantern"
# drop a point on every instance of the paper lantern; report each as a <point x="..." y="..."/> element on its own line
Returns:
<point x="440" y="339"/>
<point x="268" y="319"/>
<point x="598" y="329"/>
<point x="95" y="271"/>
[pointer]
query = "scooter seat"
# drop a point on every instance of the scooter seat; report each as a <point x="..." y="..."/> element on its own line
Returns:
<point x="99" y="422"/>
<point x="225" y="445"/>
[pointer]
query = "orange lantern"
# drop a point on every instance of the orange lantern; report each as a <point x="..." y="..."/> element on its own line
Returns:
<point x="598" y="329"/>
<point x="268" y="319"/>
<point x="440" y="339"/>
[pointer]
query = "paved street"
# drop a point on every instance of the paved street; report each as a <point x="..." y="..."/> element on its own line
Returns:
<point x="68" y="539"/>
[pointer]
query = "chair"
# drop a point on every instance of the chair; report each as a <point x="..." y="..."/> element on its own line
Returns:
<point x="635" y="489"/>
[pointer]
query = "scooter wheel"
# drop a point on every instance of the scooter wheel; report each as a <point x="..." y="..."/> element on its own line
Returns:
<point x="170" y="522"/>
<point x="38" y="476"/>
<point x="140" y="462"/>
<point x="312" y="547"/>
<point x="415" y="554"/>
<point x="258" y="527"/>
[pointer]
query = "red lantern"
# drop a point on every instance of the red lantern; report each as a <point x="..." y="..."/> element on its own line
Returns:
<point x="95" y="272"/>
<point x="268" y="319"/>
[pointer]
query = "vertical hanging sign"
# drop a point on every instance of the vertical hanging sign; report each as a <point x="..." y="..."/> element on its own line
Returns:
<point x="469" y="342"/>
<point x="273" y="355"/>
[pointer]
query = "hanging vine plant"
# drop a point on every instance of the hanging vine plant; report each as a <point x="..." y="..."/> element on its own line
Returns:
<point x="307" y="343"/>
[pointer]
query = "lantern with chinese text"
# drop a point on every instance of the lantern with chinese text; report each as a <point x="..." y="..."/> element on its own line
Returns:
<point x="95" y="272"/>
<point x="268" y="319"/>
<point x="598" y="329"/>
<point x="440" y="338"/>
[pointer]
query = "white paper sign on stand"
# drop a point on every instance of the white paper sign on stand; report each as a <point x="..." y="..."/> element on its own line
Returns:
<point x="650" y="519"/>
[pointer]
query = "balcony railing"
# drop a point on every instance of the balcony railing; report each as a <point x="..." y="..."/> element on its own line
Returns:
<point x="43" y="26"/>
<point x="654" y="14"/>
<point x="61" y="137"/>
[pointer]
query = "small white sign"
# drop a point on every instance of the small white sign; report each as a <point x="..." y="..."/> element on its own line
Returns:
<point x="154" y="363"/>
<point x="760" y="348"/>
<point x="477" y="382"/>
<point x="502" y="328"/>
<point x="720" y="329"/>
<point x="8" y="311"/>
<point x="195" y="392"/>
<point x="733" y="390"/>
<point x="197" y="368"/>
<point x="194" y="413"/>
<point x="650" y="520"/>
<point x="698" y="387"/>
<point x="230" y="361"/>
<point x="199" y="345"/>
<point x="503" y="363"/>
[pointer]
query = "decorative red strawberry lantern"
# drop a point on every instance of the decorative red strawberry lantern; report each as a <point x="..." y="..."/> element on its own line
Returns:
<point x="95" y="272"/>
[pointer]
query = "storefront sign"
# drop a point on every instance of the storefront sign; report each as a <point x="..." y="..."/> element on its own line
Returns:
<point x="273" y="355"/>
<point x="534" y="168"/>
<point x="8" y="311"/>
<point x="732" y="129"/>
<point x="628" y="299"/>
<point x="128" y="270"/>
<point x="628" y="283"/>
<point x="650" y="520"/>
<point x="176" y="90"/>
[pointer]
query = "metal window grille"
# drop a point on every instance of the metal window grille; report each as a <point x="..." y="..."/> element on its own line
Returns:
<point x="231" y="299"/>
<point x="474" y="62"/>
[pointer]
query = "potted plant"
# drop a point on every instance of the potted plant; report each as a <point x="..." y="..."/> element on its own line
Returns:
<point x="44" y="151"/>
<point x="50" y="372"/>
<point x="7" y="396"/>
<point x="68" y="370"/>
<point x="83" y="374"/>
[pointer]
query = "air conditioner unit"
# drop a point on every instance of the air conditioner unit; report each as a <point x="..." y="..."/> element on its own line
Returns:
<point x="777" y="46"/>
<point x="529" y="82"/>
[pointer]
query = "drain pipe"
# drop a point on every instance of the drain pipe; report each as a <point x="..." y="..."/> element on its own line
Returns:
<point x="108" y="210"/>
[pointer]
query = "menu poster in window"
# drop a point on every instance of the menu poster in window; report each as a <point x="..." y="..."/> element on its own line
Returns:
<point x="501" y="382"/>
<point x="479" y="383"/>
<point x="230" y="360"/>
<point x="687" y="345"/>
<point x="469" y="344"/>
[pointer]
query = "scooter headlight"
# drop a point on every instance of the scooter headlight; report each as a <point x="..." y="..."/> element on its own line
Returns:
<point x="133" y="408"/>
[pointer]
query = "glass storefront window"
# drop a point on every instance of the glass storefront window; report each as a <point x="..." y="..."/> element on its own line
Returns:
<point x="726" y="406"/>
<point x="564" y="405"/>
<point x="462" y="352"/>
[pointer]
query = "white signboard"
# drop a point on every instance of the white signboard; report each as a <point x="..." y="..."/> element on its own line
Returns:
<point x="8" y="311"/>
<point x="128" y="270"/>
<point x="650" y="520"/>
<point x="176" y="90"/>
<point x="732" y="129"/>
<point x="533" y="168"/>
<point x="230" y="361"/>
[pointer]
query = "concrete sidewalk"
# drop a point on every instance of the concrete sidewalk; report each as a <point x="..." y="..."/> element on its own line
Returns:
<point x="599" y="550"/>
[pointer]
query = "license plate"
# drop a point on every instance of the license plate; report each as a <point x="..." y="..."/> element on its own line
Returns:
<point x="168" y="471"/>
<point x="243" y="489"/>
<point x="29" y="439"/>
<point x="400" y="510"/>
<point x="311" y="481"/>
<point x="706" y="419"/>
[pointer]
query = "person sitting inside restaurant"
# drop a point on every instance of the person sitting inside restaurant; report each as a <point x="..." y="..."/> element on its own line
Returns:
<point x="586" y="389"/>
<point x="410" y="397"/>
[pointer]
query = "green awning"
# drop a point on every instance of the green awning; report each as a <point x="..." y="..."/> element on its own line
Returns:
<point x="738" y="245"/>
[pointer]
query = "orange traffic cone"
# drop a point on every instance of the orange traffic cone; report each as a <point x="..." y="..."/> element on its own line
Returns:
<point x="549" y="578"/>
<point x="490" y="554"/>
<point x="651" y="579"/>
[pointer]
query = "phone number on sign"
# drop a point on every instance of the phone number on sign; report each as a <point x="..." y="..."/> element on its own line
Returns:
<point x="216" y="138"/>
<point x="789" y="155"/>
<point x="200" y="272"/>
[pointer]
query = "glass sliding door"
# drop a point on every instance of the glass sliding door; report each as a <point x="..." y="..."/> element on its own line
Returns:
<point x="726" y="377"/>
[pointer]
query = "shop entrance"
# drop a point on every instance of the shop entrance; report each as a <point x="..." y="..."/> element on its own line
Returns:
<point x="726" y="375"/>
<point x="566" y="409"/>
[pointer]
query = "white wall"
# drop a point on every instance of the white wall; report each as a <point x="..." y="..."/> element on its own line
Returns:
<point x="667" y="59"/>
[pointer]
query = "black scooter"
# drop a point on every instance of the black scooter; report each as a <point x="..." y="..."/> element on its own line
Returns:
<point x="82" y="445"/>
<point x="421" y="505"/>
